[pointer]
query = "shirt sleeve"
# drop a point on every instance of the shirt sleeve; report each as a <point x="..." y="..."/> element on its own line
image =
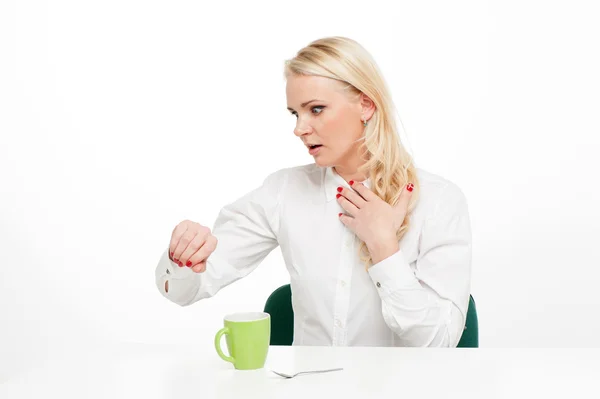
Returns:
<point x="428" y="306"/>
<point x="246" y="231"/>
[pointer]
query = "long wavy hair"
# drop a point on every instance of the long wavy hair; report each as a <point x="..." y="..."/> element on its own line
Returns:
<point x="387" y="163"/>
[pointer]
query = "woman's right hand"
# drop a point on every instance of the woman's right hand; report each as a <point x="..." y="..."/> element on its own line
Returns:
<point x="191" y="244"/>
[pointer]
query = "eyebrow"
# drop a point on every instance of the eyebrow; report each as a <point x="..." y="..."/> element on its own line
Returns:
<point x="304" y="104"/>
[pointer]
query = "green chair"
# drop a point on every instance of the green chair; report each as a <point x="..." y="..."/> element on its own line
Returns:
<point x="279" y="306"/>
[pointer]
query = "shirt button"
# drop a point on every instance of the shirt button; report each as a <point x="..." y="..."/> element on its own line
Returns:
<point x="168" y="272"/>
<point x="378" y="284"/>
<point x="343" y="283"/>
<point x="338" y="323"/>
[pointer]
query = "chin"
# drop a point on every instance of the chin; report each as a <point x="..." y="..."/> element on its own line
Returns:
<point x="327" y="159"/>
<point x="323" y="162"/>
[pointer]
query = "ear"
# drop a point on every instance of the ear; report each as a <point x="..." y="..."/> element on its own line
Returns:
<point x="367" y="106"/>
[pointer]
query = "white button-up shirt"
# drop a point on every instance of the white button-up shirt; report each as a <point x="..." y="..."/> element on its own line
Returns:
<point x="416" y="297"/>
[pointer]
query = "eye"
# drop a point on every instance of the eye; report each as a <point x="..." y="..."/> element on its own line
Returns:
<point x="316" y="110"/>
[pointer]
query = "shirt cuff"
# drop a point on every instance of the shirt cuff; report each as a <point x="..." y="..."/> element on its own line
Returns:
<point x="393" y="274"/>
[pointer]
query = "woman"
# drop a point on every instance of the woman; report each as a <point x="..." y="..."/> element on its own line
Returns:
<point x="378" y="251"/>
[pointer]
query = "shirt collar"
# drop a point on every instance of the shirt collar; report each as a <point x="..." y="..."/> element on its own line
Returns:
<point x="331" y="181"/>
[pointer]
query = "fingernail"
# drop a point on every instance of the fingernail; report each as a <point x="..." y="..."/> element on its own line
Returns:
<point x="338" y="195"/>
<point x="351" y="182"/>
<point x="171" y="255"/>
<point x="188" y="263"/>
<point x="410" y="187"/>
<point x="176" y="260"/>
<point x="339" y="214"/>
<point x="340" y="189"/>
<point x="180" y="264"/>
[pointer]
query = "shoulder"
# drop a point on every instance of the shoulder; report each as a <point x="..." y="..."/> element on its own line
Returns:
<point x="435" y="184"/>
<point x="276" y="185"/>
<point x="294" y="174"/>
<point x="438" y="193"/>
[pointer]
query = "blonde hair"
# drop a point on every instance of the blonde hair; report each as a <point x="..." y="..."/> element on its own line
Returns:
<point x="387" y="163"/>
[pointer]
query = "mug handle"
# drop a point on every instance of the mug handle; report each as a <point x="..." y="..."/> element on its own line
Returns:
<point x="220" y="333"/>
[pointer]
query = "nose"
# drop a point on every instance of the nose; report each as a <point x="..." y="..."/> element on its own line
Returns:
<point x="302" y="128"/>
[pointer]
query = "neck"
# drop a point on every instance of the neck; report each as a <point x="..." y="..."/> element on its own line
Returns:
<point x="349" y="171"/>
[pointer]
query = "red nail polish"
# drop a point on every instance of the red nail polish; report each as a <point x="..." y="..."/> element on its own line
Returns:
<point x="410" y="187"/>
<point x="171" y="255"/>
<point x="180" y="264"/>
<point x="339" y="214"/>
<point x="351" y="182"/>
<point x="338" y="195"/>
<point x="188" y="263"/>
<point x="176" y="260"/>
<point x="340" y="189"/>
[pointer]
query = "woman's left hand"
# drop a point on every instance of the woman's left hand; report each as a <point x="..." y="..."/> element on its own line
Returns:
<point x="372" y="219"/>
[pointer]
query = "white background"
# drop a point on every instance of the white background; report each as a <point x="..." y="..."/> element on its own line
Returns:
<point x="118" y="119"/>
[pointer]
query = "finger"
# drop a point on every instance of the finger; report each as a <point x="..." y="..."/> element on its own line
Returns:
<point x="204" y="252"/>
<point x="348" y="206"/>
<point x="175" y="237"/>
<point x="347" y="220"/>
<point x="183" y="243"/>
<point x="195" y="244"/>
<point x="200" y="267"/>
<point x="405" y="197"/>
<point x="364" y="191"/>
<point x="352" y="196"/>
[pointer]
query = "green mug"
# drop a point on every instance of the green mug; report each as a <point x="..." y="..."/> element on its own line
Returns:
<point x="248" y="336"/>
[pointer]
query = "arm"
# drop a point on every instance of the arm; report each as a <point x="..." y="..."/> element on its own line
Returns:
<point x="246" y="231"/>
<point x="428" y="307"/>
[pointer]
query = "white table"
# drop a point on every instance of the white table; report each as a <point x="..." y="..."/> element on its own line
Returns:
<point x="146" y="371"/>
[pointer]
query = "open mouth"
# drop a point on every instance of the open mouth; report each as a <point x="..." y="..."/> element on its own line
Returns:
<point x="314" y="146"/>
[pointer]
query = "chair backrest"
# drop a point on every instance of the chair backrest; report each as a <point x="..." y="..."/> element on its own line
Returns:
<point x="470" y="335"/>
<point x="279" y="306"/>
